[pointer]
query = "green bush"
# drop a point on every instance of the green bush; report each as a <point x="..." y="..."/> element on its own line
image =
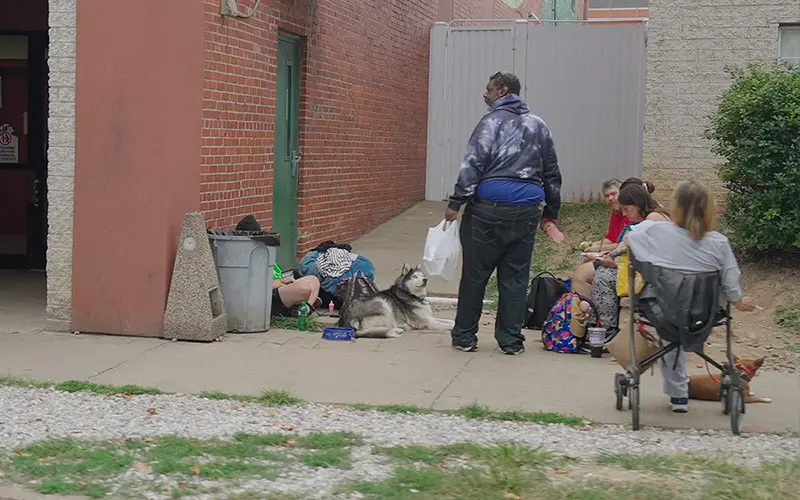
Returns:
<point x="756" y="130"/>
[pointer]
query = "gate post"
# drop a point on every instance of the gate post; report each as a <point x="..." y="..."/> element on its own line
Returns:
<point x="519" y="48"/>
<point x="437" y="114"/>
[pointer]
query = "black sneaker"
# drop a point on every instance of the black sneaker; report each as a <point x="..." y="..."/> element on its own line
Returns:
<point x="513" y="351"/>
<point x="466" y="348"/>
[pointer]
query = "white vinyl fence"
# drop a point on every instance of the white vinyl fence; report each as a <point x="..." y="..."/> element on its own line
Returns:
<point x="587" y="83"/>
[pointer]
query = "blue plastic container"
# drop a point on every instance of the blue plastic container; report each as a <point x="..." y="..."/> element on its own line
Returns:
<point x="338" y="333"/>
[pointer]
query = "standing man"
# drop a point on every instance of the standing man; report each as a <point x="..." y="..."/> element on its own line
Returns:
<point x="509" y="169"/>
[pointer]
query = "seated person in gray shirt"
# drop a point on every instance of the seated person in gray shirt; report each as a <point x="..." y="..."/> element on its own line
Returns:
<point x="688" y="244"/>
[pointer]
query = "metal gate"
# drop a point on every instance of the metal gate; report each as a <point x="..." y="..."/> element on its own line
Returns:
<point x="586" y="82"/>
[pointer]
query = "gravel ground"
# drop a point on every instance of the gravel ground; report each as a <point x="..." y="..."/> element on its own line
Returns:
<point x="30" y="415"/>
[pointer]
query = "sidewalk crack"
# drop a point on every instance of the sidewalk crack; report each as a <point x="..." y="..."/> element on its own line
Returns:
<point x="124" y="361"/>
<point x="438" y="396"/>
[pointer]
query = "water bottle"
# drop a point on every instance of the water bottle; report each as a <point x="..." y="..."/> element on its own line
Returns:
<point x="553" y="232"/>
<point x="331" y="309"/>
<point x="302" y="318"/>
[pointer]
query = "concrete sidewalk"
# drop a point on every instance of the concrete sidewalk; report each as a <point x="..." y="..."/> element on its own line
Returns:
<point x="418" y="368"/>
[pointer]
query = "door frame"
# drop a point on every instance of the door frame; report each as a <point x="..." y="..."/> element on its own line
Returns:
<point x="36" y="150"/>
<point x="287" y="253"/>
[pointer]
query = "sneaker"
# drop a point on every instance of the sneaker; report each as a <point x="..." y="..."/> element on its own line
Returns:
<point x="466" y="348"/>
<point x="679" y="405"/>
<point x="513" y="351"/>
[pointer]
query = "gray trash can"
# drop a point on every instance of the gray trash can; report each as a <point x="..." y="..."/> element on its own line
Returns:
<point x="245" y="262"/>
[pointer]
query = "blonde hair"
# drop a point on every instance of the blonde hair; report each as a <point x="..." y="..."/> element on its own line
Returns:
<point x="694" y="208"/>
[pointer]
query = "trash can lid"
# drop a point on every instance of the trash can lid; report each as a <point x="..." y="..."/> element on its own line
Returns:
<point x="268" y="238"/>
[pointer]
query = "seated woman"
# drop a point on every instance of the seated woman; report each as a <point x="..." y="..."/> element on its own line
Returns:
<point x="637" y="205"/>
<point x="288" y="292"/>
<point x="583" y="274"/>
<point x="690" y="244"/>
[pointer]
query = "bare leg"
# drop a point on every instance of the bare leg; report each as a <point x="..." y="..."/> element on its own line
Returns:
<point x="582" y="277"/>
<point x="305" y="289"/>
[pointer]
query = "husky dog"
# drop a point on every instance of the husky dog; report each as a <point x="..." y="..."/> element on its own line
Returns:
<point x="391" y="312"/>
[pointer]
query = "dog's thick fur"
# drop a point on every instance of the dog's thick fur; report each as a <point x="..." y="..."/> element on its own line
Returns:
<point x="703" y="387"/>
<point x="389" y="313"/>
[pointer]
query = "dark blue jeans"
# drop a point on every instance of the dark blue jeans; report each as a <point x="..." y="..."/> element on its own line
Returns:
<point x="495" y="236"/>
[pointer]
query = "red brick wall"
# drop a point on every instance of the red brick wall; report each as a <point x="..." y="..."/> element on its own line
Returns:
<point x="363" y="111"/>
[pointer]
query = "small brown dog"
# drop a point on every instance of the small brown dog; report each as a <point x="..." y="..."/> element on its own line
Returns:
<point x="706" y="387"/>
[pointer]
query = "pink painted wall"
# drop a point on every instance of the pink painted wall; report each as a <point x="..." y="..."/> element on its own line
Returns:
<point x="138" y="127"/>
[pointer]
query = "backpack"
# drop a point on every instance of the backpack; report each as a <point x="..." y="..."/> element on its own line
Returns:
<point x="545" y="291"/>
<point x="359" y="285"/>
<point x="565" y="328"/>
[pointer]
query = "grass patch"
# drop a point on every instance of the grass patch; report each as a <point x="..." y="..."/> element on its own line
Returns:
<point x="788" y="317"/>
<point x="11" y="381"/>
<point x="399" y="409"/>
<point x="68" y="466"/>
<point x="284" y="323"/>
<point x="669" y="464"/>
<point x="81" y="386"/>
<point x="605" y="490"/>
<point x="329" y="441"/>
<point x="507" y="471"/>
<point x="272" y="397"/>
<point x="78" y="386"/>
<point x="479" y="412"/>
<point x="501" y="455"/>
<point x="718" y="477"/>
<point x="325" y="459"/>
<point x="471" y="472"/>
<point x="99" y="468"/>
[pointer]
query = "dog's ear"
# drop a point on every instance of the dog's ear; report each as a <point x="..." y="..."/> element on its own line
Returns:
<point x="735" y="358"/>
<point x="406" y="268"/>
<point x="757" y="363"/>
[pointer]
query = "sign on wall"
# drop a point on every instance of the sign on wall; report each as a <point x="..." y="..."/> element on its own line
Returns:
<point x="9" y="144"/>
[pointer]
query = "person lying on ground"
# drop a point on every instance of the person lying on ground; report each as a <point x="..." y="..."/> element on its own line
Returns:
<point x="689" y="244"/>
<point x="583" y="274"/>
<point x="288" y="293"/>
<point x="637" y="205"/>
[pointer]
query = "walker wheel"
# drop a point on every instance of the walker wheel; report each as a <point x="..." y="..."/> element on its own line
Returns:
<point x="736" y="407"/>
<point x="633" y="399"/>
<point x="724" y="395"/>
<point x="619" y="389"/>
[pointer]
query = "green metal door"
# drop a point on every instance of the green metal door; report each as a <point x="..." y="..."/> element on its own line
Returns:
<point x="287" y="150"/>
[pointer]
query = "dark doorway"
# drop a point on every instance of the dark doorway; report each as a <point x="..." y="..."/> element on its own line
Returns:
<point x="23" y="149"/>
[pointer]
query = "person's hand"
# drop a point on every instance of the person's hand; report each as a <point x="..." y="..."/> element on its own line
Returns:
<point x="746" y="304"/>
<point x="544" y="222"/>
<point x="288" y="280"/>
<point x="592" y="256"/>
<point x="450" y="215"/>
<point x="608" y="262"/>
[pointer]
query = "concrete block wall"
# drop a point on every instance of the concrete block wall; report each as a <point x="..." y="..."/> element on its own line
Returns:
<point x="61" y="162"/>
<point x="690" y="43"/>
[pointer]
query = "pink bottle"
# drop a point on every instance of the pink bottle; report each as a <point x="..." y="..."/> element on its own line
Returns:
<point x="553" y="232"/>
<point x="331" y="309"/>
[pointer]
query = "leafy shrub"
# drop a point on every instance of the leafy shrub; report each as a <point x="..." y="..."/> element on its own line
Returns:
<point x="756" y="130"/>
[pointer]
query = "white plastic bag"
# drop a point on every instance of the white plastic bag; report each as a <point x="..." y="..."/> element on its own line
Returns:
<point x="442" y="248"/>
